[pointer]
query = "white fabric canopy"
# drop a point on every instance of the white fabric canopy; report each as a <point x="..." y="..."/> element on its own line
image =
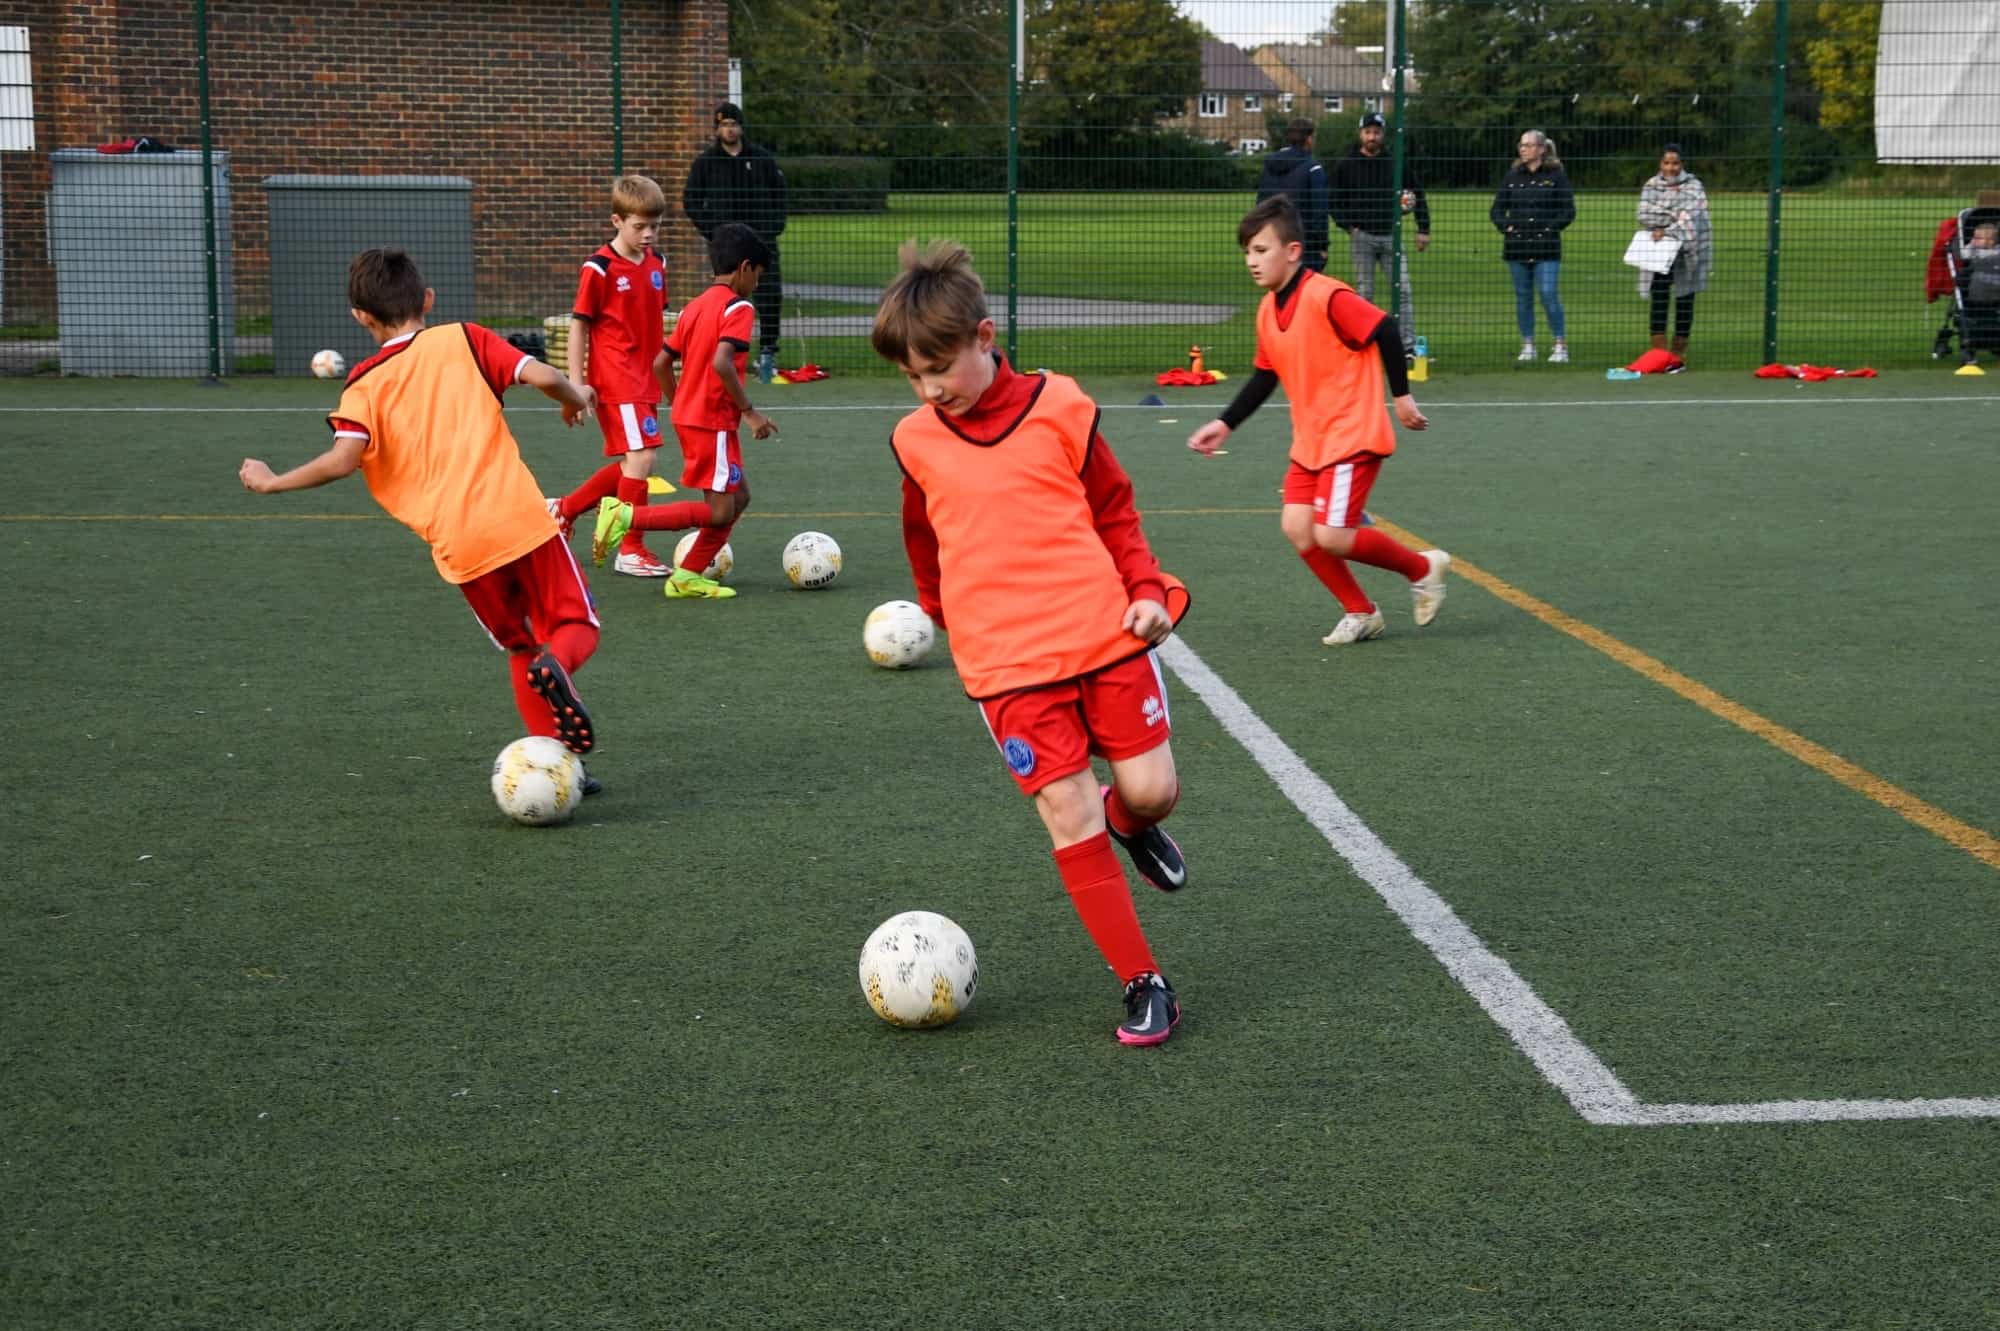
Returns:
<point x="1937" y="82"/>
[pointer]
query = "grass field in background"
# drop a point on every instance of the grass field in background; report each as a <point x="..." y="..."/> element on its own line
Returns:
<point x="1850" y="284"/>
<point x="297" y="1031"/>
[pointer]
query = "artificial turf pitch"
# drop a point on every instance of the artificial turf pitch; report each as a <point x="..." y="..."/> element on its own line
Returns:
<point x="297" y="1031"/>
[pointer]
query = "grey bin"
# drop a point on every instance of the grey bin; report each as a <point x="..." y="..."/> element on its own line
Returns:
<point x="127" y="235"/>
<point x="318" y="225"/>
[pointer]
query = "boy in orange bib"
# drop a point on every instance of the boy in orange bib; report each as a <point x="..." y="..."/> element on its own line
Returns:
<point x="1024" y="542"/>
<point x="1333" y="352"/>
<point x="420" y="420"/>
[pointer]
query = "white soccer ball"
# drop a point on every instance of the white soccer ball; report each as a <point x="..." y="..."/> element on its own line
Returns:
<point x="812" y="560"/>
<point x="718" y="567"/>
<point x="898" y="635"/>
<point x="918" y="969"/>
<point x="328" y="364"/>
<point x="537" y="782"/>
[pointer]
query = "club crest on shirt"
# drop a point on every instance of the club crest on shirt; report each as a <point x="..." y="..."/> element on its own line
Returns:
<point x="659" y="281"/>
<point x="1020" y="756"/>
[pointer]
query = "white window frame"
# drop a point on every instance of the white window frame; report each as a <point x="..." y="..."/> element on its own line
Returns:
<point x="1211" y="105"/>
<point x="1331" y="103"/>
<point x="1248" y="146"/>
<point x="1252" y="102"/>
<point x="1285" y="102"/>
<point x="17" y="91"/>
<point x="1371" y="103"/>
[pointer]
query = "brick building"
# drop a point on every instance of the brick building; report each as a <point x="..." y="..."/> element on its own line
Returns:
<point x="1235" y="101"/>
<point x="514" y="96"/>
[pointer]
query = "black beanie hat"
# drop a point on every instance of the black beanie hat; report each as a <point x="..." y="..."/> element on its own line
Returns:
<point x="729" y="111"/>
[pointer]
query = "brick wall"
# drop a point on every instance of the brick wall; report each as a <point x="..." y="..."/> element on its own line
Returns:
<point x="514" y="96"/>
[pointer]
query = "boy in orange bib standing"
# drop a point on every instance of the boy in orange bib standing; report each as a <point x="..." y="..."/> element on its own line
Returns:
<point x="1333" y="352"/>
<point x="1024" y="542"/>
<point x="420" y="419"/>
<point x="615" y="335"/>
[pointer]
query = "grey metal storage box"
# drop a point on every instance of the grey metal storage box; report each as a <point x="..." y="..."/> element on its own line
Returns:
<point x="318" y="225"/>
<point x="130" y="249"/>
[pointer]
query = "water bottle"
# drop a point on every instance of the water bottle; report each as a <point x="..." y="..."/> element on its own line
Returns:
<point x="1420" y="369"/>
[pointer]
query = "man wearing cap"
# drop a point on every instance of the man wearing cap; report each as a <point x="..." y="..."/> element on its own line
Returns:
<point x="734" y="180"/>
<point x="1366" y="205"/>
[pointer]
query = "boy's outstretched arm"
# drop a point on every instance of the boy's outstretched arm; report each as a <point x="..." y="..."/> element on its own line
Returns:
<point x="1256" y="389"/>
<point x="732" y="384"/>
<point x="577" y="403"/>
<point x="338" y="461"/>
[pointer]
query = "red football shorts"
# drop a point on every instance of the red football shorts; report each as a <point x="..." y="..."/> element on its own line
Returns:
<point x="1049" y="733"/>
<point x="520" y="603"/>
<point x="710" y="459"/>
<point x="629" y="427"/>
<point x="1337" y="493"/>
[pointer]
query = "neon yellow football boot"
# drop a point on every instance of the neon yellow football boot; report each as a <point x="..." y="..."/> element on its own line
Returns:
<point x="684" y="584"/>
<point x="614" y="519"/>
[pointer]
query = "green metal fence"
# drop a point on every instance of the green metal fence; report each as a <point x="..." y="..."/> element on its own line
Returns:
<point x="1097" y="154"/>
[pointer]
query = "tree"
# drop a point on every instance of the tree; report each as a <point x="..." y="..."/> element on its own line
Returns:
<point x="1842" y="63"/>
<point x="1356" y="23"/>
<point x="1105" y="65"/>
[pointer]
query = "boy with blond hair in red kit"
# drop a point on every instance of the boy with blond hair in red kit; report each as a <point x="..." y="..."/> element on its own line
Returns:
<point x="420" y="419"/>
<point x="712" y="341"/>
<point x="614" y="348"/>
<point x="1025" y="544"/>
<point x="1332" y="351"/>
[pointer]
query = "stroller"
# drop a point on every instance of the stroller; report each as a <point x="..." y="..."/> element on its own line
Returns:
<point x="1972" y="279"/>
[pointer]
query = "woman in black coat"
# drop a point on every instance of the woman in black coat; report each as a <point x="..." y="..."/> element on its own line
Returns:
<point x="1531" y="208"/>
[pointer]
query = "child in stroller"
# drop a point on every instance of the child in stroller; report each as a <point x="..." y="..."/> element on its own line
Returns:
<point x="1970" y="251"/>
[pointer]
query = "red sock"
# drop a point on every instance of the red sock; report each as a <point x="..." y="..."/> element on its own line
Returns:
<point x="602" y="483"/>
<point x="706" y="546"/>
<point x="573" y="644"/>
<point x="1096" y="885"/>
<point x="1333" y="574"/>
<point x="1373" y="546"/>
<point x="670" y="517"/>
<point x="1127" y="823"/>
<point x="534" y="710"/>
<point x="632" y="490"/>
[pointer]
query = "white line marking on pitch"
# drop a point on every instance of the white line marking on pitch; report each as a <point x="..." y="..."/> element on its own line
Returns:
<point x="1592" y="1089"/>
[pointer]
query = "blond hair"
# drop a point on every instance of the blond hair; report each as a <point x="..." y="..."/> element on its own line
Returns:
<point x="637" y="196"/>
<point x="933" y="307"/>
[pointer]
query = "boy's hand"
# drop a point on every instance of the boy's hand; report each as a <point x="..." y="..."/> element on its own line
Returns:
<point x="256" y="476"/>
<point x="760" y="424"/>
<point x="1409" y="416"/>
<point x="1148" y="620"/>
<point x="574" y="413"/>
<point x="1208" y="438"/>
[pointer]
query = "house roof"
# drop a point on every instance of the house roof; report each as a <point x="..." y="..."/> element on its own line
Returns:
<point x="1329" y="68"/>
<point x="1227" y="68"/>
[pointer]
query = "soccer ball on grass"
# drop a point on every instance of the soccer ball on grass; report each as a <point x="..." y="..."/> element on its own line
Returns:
<point x="718" y="567"/>
<point x="918" y="969"/>
<point x="328" y="364"/>
<point x="898" y="635"/>
<point x="812" y="560"/>
<point x="537" y="782"/>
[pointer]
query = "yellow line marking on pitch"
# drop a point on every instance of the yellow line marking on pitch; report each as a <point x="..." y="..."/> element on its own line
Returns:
<point x="1973" y="841"/>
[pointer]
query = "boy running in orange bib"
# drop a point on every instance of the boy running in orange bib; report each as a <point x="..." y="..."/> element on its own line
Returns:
<point x="420" y="419"/>
<point x="1332" y="351"/>
<point x="614" y="347"/>
<point x="711" y="339"/>
<point x="1006" y="478"/>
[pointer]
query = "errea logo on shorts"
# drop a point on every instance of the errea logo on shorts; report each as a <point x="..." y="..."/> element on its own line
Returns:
<point x="1151" y="709"/>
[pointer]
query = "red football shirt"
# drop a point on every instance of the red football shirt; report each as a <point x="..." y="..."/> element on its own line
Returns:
<point x="623" y="302"/>
<point x="717" y="316"/>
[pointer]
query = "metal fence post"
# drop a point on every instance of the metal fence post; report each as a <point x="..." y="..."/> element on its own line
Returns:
<point x="208" y="196"/>
<point x="1016" y="39"/>
<point x="617" y="90"/>
<point x="1399" y="53"/>
<point x="1779" y="57"/>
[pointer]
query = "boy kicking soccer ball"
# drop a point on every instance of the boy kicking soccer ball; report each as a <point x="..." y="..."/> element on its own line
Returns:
<point x="420" y="420"/>
<point x="1332" y="351"/>
<point x="1005" y="477"/>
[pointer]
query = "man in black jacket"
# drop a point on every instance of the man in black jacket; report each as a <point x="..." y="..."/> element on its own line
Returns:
<point x="1366" y="205"/>
<point x="734" y="180"/>
<point x="1294" y="172"/>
